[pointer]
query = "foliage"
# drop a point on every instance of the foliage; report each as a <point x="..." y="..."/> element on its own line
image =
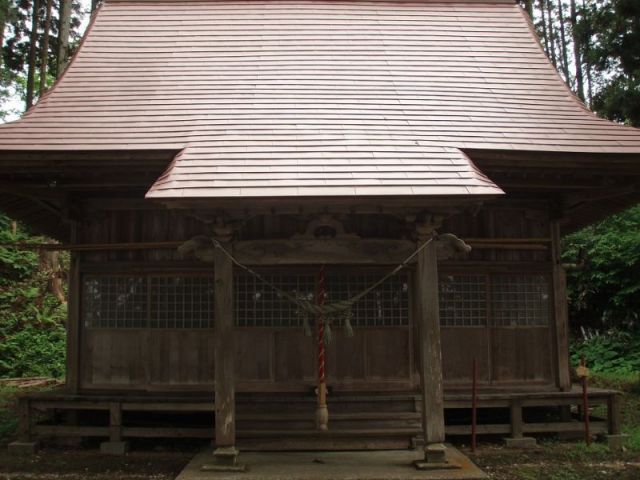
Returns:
<point x="8" y="417"/>
<point x="595" y="45"/>
<point x="614" y="28"/>
<point x="616" y="354"/>
<point x="606" y="292"/>
<point x="32" y="334"/>
<point x="16" y="20"/>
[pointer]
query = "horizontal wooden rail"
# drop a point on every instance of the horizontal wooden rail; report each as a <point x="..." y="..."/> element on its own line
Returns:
<point x="478" y="243"/>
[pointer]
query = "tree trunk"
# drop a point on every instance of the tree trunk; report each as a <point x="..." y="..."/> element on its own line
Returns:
<point x="44" y="52"/>
<point x="63" y="36"/>
<point x="563" y="44"/>
<point x="552" y="36"/>
<point x="577" y="57"/>
<point x="31" y="72"/>
<point x="4" y="13"/>
<point x="50" y="263"/>
<point x="587" y="62"/>
<point x="543" y="22"/>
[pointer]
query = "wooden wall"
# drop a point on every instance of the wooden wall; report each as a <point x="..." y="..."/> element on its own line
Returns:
<point x="283" y="359"/>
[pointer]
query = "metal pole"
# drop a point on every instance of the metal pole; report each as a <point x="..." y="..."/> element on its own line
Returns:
<point x="474" y="405"/>
<point x="322" y="412"/>
<point x="585" y="402"/>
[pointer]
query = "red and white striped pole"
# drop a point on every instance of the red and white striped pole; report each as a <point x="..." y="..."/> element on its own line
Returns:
<point x="322" y="412"/>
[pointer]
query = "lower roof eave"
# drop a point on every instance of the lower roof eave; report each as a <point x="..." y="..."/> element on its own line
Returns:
<point x="355" y="204"/>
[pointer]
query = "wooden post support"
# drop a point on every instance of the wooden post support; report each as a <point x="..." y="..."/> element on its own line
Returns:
<point x="613" y="414"/>
<point x="561" y="311"/>
<point x="24" y="445"/>
<point x="73" y="326"/>
<point x="115" y="422"/>
<point x="24" y="419"/>
<point x="225" y="454"/>
<point x="429" y="349"/>
<point x="515" y="408"/>
<point x="115" y="445"/>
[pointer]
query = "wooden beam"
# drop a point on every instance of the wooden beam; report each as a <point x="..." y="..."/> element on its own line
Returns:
<point x="225" y="402"/>
<point x="429" y="342"/>
<point x="561" y="310"/>
<point x="293" y="252"/>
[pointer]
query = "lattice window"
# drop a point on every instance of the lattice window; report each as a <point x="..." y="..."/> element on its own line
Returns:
<point x="387" y="305"/>
<point x="181" y="302"/>
<point x="115" y="302"/>
<point x="148" y="301"/>
<point x="463" y="300"/>
<point x="520" y="300"/>
<point x="257" y="305"/>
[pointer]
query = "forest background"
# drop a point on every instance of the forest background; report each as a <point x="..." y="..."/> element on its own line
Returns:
<point x="594" y="45"/>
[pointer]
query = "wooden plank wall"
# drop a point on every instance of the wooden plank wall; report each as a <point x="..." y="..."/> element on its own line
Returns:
<point x="507" y="356"/>
<point x="375" y="358"/>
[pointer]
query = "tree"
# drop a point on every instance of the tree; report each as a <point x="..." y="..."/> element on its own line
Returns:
<point x="31" y="72"/>
<point x="44" y="50"/>
<point x="606" y="292"/>
<point x="26" y="37"/>
<point x="615" y="57"/>
<point x="577" y="51"/>
<point x="63" y="36"/>
<point x="563" y="43"/>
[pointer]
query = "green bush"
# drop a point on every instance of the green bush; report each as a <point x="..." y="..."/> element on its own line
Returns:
<point x="34" y="352"/>
<point x="616" y="353"/>
<point x="32" y="334"/>
<point x="606" y="292"/>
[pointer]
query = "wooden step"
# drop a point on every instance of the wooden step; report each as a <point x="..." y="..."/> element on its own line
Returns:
<point x="357" y="416"/>
<point x="311" y="439"/>
<point x="358" y="433"/>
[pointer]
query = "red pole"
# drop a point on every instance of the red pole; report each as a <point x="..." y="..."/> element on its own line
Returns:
<point x="322" y="412"/>
<point x="585" y="402"/>
<point x="474" y="404"/>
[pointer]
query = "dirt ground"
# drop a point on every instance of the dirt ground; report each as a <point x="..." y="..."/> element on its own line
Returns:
<point x="551" y="460"/>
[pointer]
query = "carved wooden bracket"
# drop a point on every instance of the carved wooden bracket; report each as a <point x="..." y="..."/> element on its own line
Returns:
<point x="325" y="227"/>
<point x="347" y="251"/>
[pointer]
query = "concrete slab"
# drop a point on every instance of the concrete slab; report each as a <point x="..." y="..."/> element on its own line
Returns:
<point x="369" y="465"/>
<point x="23" y="448"/>
<point x="114" y="448"/>
<point x="617" y="442"/>
<point x="521" y="442"/>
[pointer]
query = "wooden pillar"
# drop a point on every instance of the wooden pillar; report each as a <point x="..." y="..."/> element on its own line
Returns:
<point x="24" y="419"/>
<point x="73" y="326"/>
<point x="115" y="422"/>
<point x="225" y="453"/>
<point x="115" y="445"/>
<point x="430" y="353"/>
<point x="561" y="311"/>
<point x="613" y="413"/>
<point x="515" y="409"/>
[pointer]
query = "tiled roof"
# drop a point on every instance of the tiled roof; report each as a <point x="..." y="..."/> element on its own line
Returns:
<point x="289" y="98"/>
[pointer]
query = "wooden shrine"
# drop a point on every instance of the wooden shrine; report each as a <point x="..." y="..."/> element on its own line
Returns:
<point x="205" y="161"/>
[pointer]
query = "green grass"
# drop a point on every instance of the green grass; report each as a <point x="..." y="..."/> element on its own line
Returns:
<point x="629" y="385"/>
